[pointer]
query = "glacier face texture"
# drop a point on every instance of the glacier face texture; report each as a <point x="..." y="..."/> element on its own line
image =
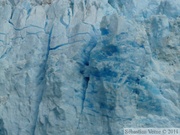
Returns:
<point x="88" y="67"/>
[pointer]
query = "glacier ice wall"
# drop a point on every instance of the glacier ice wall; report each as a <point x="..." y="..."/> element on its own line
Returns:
<point x="88" y="67"/>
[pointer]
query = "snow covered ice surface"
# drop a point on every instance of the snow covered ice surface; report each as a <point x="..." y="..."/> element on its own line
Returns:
<point x="88" y="67"/>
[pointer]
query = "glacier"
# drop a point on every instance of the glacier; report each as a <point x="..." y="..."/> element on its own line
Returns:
<point x="88" y="67"/>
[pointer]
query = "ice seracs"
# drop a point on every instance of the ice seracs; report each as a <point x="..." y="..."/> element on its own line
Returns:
<point x="88" y="67"/>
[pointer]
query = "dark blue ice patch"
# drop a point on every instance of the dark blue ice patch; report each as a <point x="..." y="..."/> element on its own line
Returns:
<point x="136" y="91"/>
<point x="110" y="50"/>
<point x="104" y="105"/>
<point x="104" y="31"/>
<point x="132" y="80"/>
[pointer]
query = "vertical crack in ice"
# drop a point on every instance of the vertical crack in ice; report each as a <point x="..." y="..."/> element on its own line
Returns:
<point x="72" y="7"/>
<point x="88" y="49"/>
<point x="43" y="79"/>
<point x="49" y="43"/>
<point x="91" y="45"/>
<point x="83" y="99"/>
<point x="84" y="93"/>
